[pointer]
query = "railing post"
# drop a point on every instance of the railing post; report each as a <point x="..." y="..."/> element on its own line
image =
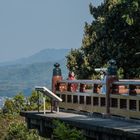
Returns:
<point x="51" y="105"/>
<point x="137" y="106"/>
<point x="78" y="98"/>
<point x="118" y="105"/>
<point x="127" y="104"/>
<point x="85" y="100"/>
<point x="72" y="98"/>
<point x="108" y="96"/>
<point x="44" y="104"/>
<point x="38" y="101"/>
<point x="111" y="77"/>
<point x="127" y="107"/>
<point x="99" y="99"/>
<point x="56" y="77"/>
<point x="66" y="98"/>
<point x="92" y="100"/>
<point x="57" y="107"/>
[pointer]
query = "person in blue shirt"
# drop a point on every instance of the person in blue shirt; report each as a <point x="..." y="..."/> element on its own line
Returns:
<point x="103" y="80"/>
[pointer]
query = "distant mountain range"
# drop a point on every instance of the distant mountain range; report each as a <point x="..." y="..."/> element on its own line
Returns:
<point x="46" y="55"/>
<point x="24" y="74"/>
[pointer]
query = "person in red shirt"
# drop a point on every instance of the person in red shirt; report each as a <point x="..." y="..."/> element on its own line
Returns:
<point x="72" y="86"/>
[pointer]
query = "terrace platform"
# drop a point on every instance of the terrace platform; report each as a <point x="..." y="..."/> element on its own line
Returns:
<point x="93" y="126"/>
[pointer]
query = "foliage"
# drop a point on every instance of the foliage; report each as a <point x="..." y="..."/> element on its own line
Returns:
<point x="14" y="105"/>
<point x="8" y="106"/>
<point x="120" y="73"/>
<point x="113" y="33"/>
<point x="5" y="121"/>
<point x="64" y="132"/>
<point x="19" y="102"/>
<point x="12" y="126"/>
<point x="33" y="100"/>
<point x="76" y="59"/>
<point x="18" y="131"/>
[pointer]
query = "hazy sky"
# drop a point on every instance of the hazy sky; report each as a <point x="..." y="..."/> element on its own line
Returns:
<point x="28" y="26"/>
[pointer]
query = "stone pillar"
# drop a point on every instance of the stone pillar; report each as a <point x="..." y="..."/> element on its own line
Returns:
<point x="55" y="78"/>
<point x="111" y="77"/>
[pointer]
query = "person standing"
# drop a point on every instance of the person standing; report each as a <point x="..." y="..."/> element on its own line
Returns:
<point x="72" y="86"/>
<point x="103" y="80"/>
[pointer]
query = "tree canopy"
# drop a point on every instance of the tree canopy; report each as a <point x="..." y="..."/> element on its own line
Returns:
<point x="113" y="34"/>
<point x="63" y="131"/>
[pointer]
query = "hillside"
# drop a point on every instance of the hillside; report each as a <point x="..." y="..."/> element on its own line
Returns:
<point x="24" y="77"/>
<point x="46" y="55"/>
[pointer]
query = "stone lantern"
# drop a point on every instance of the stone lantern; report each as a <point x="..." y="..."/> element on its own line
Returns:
<point x="112" y="68"/>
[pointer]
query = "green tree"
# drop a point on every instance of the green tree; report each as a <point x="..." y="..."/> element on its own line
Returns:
<point x="19" y="131"/>
<point x="64" y="132"/>
<point x="8" y="106"/>
<point x="113" y="33"/>
<point x="14" y="105"/>
<point x="5" y="121"/>
<point x="33" y="100"/>
<point x="77" y="62"/>
<point x="19" y="102"/>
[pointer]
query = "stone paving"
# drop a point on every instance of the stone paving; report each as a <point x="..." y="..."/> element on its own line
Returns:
<point x="130" y="126"/>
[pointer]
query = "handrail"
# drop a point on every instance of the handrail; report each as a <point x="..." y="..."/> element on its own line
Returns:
<point x="120" y="82"/>
<point x="49" y="93"/>
<point x="54" y="98"/>
<point x="127" y="82"/>
<point x="132" y="85"/>
<point x="81" y="81"/>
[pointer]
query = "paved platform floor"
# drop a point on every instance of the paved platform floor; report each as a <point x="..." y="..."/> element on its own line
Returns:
<point x="86" y="121"/>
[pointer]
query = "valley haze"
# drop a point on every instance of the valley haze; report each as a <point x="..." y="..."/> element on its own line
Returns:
<point x="24" y="74"/>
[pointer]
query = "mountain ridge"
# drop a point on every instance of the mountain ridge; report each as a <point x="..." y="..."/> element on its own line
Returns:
<point x="23" y="77"/>
<point x="45" y="55"/>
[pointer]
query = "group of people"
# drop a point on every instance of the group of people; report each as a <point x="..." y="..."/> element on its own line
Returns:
<point x="73" y="87"/>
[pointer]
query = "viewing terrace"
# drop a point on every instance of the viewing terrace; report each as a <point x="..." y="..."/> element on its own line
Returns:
<point x="113" y="115"/>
